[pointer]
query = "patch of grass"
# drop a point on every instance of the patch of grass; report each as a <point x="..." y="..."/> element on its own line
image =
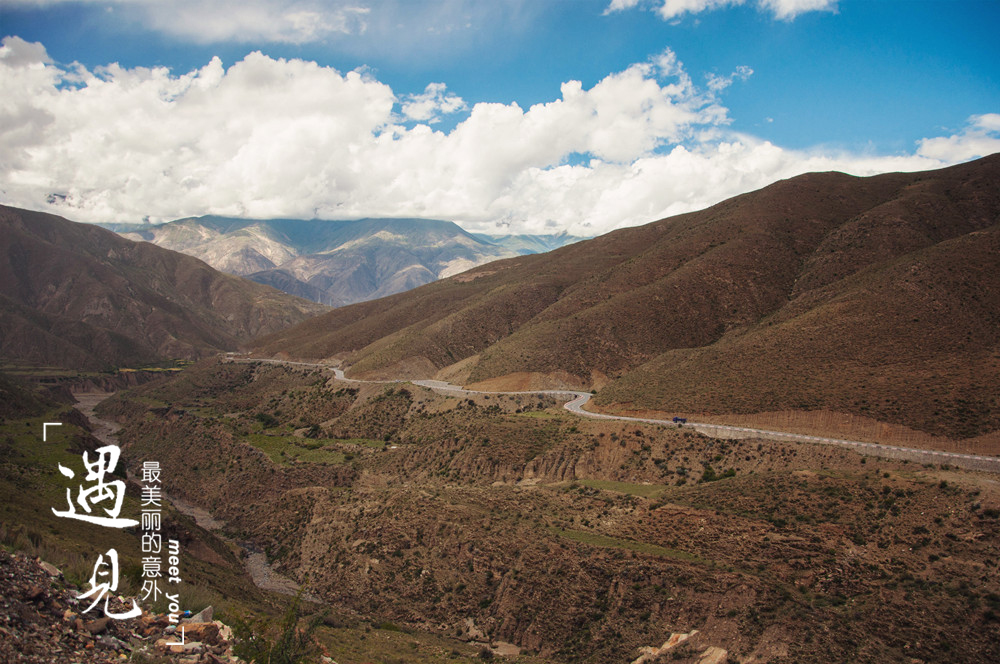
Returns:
<point x="285" y="450"/>
<point x="42" y="371"/>
<point x="644" y="490"/>
<point x="388" y="626"/>
<point x="361" y="442"/>
<point x="347" y="644"/>
<point x="285" y="642"/>
<point x="605" y="541"/>
<point x="148" y="401"/>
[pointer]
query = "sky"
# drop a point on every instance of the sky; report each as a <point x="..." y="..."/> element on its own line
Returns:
<point x="526" y="116"/>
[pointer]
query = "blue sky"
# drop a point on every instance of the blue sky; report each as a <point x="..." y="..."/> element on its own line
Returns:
<point x="679" y="104"/>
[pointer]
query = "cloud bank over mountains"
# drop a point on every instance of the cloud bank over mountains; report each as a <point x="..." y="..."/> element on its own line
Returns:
<point x="269" y="137"/>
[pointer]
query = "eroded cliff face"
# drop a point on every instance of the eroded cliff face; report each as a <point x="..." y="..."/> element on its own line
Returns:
<point x="505" y="518"/>
<point x="493" y="558"/>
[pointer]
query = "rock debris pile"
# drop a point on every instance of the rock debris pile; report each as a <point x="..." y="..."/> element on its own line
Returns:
<point x="41" y="621"/>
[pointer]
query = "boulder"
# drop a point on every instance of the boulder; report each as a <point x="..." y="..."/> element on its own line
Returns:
<point x="205" y="632"/>
<point x="50" y="569"/>
<point x="203" y="616"/>
<point x="97" y="626"/>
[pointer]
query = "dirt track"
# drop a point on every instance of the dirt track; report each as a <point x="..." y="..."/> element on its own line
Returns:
<point x="579" y="399"/>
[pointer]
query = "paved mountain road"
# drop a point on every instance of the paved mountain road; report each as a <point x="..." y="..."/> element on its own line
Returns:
<point x="579" y="399"/>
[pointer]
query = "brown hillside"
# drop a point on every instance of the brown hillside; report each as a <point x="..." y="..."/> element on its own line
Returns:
<point x="80" y="296"/>
<point x="914" y="340"/>
<point x="823" y="291"/>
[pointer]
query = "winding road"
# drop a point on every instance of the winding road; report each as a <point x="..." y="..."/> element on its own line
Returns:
<point x="579" y="399"/>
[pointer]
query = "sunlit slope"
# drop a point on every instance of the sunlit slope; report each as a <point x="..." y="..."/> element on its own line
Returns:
<point x="804" y="291"/>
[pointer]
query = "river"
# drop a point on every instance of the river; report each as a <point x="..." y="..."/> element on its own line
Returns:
<point x="263" y="575"/>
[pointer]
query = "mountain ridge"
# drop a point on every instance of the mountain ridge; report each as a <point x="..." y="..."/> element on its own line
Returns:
<point x="76" y="295"/>
<point x="338" y="262"/>
<point x="793" y="252"/>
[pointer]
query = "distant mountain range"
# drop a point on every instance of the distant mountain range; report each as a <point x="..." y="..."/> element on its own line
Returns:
<point x="338" y="262"/>
<point x="78" y="296"/>
<point x="878" y="296"/>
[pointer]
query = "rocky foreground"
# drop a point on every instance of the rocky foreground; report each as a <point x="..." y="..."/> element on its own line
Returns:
<point x="41" y="621"/>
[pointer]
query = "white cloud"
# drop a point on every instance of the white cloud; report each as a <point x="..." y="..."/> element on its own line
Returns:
<point x="601" y="196"/>
<point x="718" y="83"/>
<point x="291" y="138"/>
<point x="669" y="10"/>
<point x="228" y="140"/>
<point x="251" y="21"/>
<point x="981" y="137"/>
<point x="674" y="8"/>
<point x="989" y="122"/>
<point x="620" y="5"/>
<point x="400" y="30"/>
<point x="432" y="103"/>
<point x="21" y="53"/>
<point x="787" y="10"/>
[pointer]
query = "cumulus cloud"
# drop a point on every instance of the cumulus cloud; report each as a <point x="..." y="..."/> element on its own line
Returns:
<point x="980" y="137"/>
<point x="432" y="103"/>
<point x="121" y="144"/>
<point x="786" y="10"/>
<point x="118" y="140"/>
<point x="668" y="10"/>
<point x="23" y="54"/>
<point x="602" y="196"/>
<point x="620" y="5"/>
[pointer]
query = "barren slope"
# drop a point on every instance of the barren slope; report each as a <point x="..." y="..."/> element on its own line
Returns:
<point x="503" y="517"/>
<point x="821" y="291"/>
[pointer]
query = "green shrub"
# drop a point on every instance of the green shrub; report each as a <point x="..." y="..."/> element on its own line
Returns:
<point x="267" y="420"/>
<point x="281" y="643"/>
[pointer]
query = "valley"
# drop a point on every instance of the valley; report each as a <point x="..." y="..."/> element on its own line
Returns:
<point x="217" y="571"/>
<point x="450" y="514"/>
<point x="489" y="466"/>
<point x="457" y="332"/>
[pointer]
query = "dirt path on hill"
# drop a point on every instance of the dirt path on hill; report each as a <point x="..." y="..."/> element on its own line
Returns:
<point x="577" y="401"/>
